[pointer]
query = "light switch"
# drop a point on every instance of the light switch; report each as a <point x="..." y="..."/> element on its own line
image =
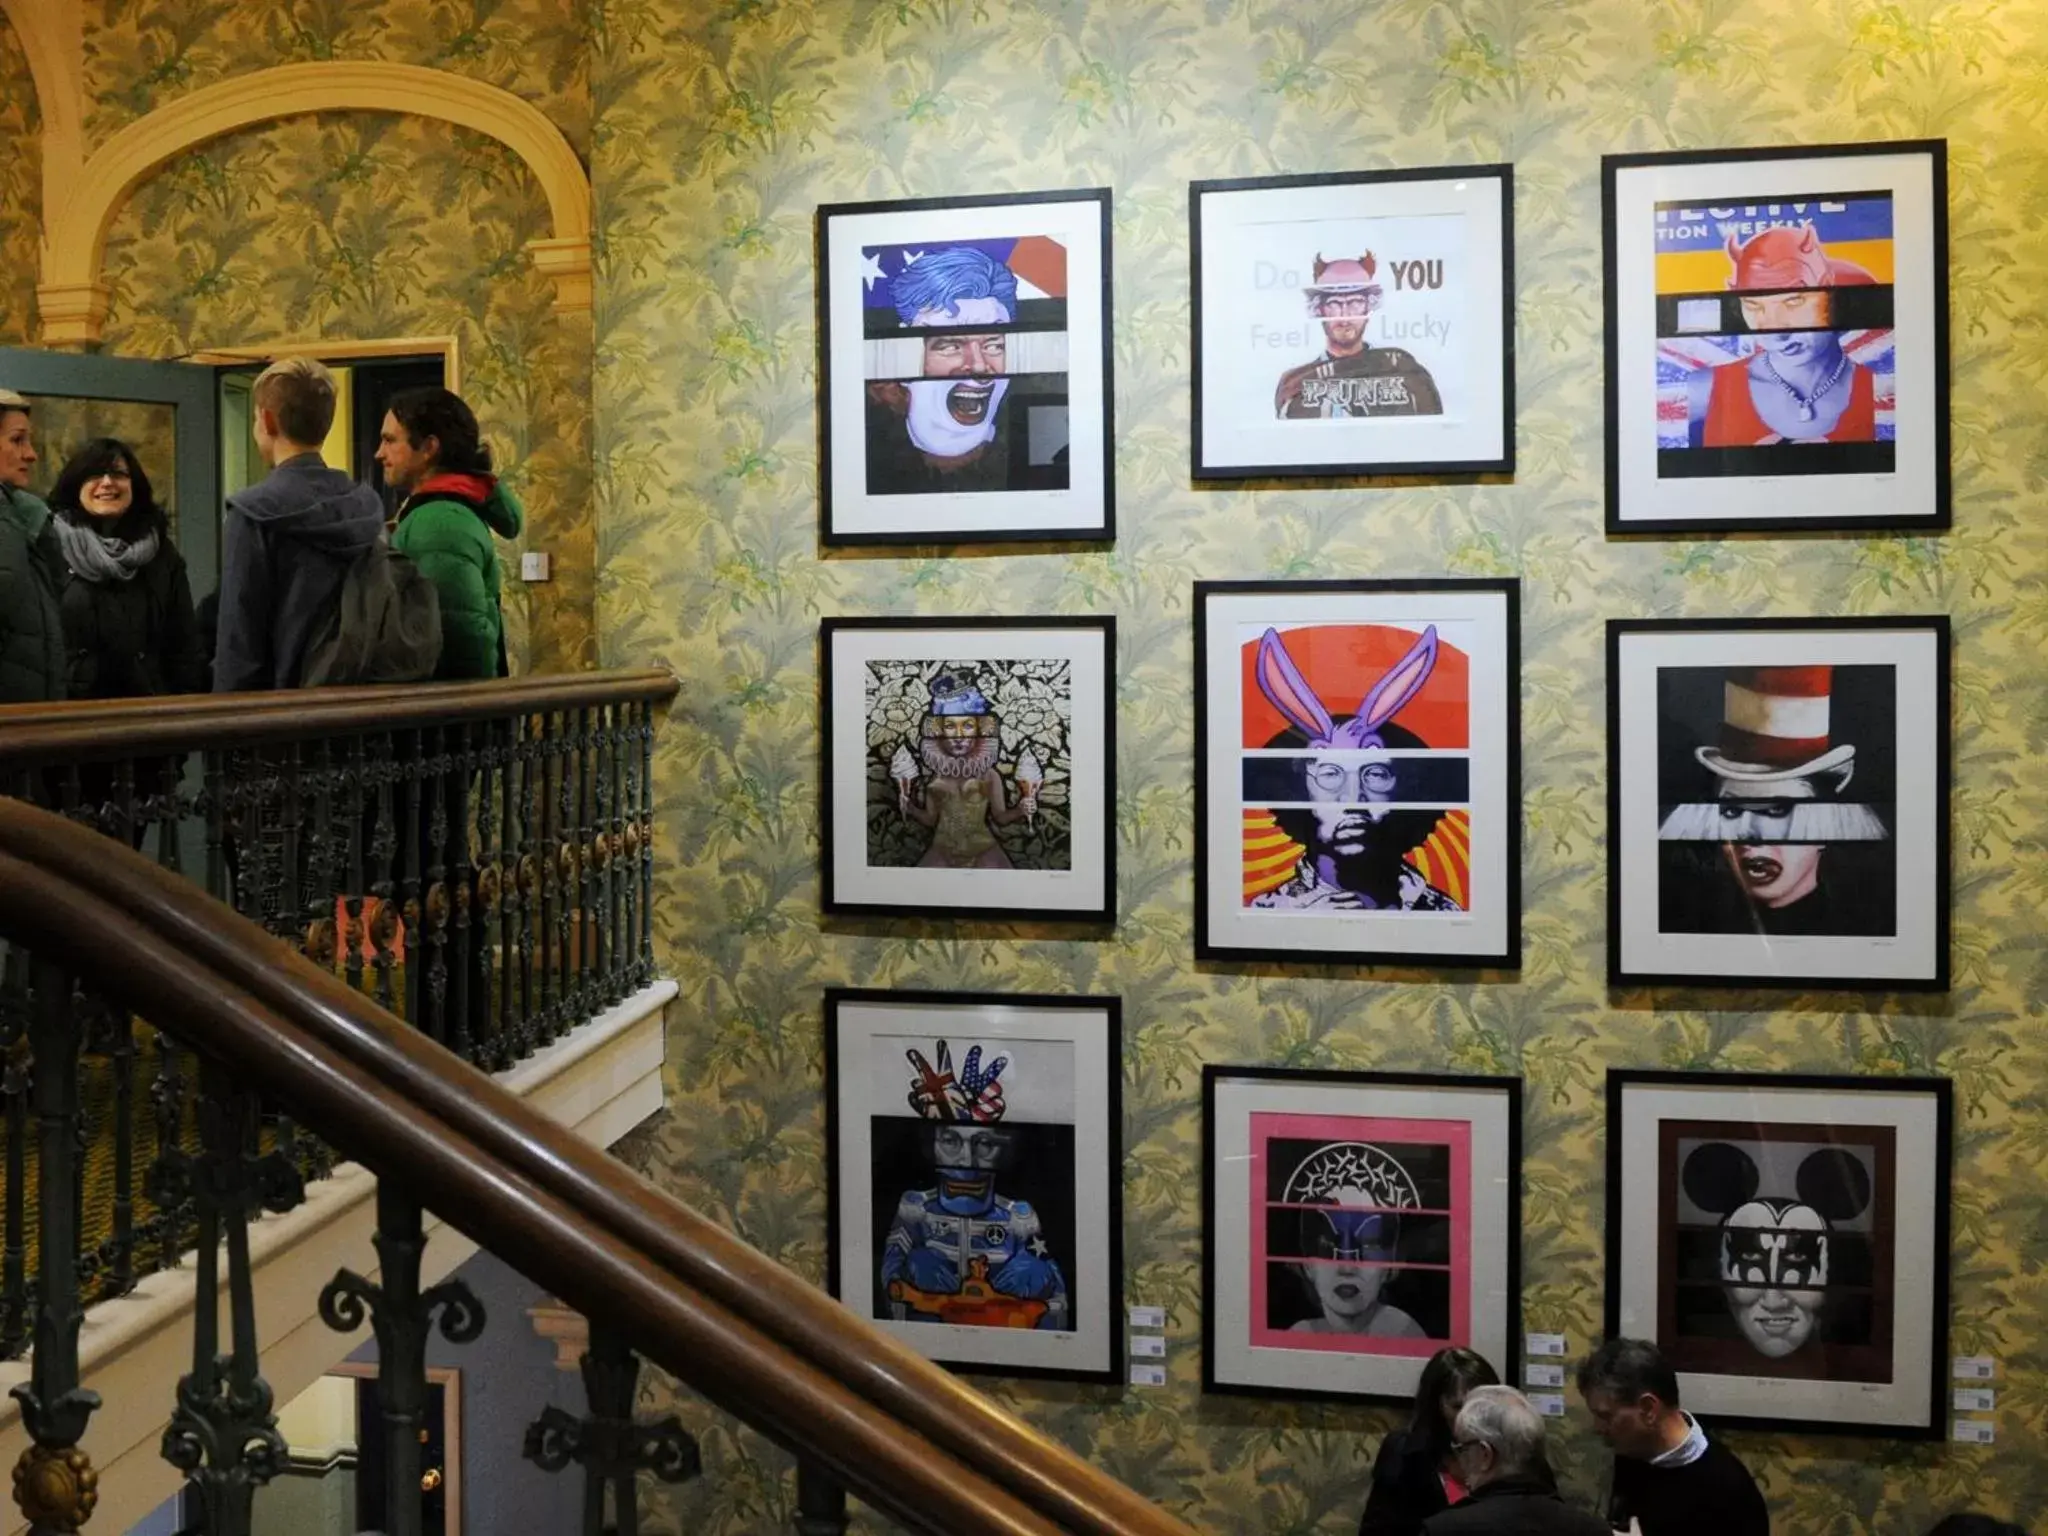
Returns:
<point x="533" y="565"/>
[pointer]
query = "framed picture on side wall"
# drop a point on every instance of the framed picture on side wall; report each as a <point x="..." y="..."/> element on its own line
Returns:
<point x="1777" y="339"/>
<point x="1355" y="1223"/>
<point x="1778" y="803"/>
<point x="964" y="369"/>
<point x="974" y="1178"/>
<point x="1360" y="323"/>
<point x="1357" y="772"/>
<point x="1784" y="1240"/>
<point x="969" y="768"/>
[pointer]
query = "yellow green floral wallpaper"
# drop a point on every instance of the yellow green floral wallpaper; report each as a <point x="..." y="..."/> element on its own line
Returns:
<point x="21" y="192"/>
<point x="719" y="129"/>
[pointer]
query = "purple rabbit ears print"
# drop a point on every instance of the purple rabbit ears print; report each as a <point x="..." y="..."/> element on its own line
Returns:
<point x="1282" y="683"/>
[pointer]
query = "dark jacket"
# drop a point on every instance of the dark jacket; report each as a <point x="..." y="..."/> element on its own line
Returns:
<point x="1405" y="1488"/>
<point x="31" y="584"/>
<point x="287" y="542"/>
<point x="1713" y="1496"/>
<point x="445" y="529"/>
<point x="137" y="638"/>
<point x="1515" y="1506"/>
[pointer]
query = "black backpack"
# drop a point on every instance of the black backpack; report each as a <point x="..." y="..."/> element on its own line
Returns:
<point x="385" y="626"/>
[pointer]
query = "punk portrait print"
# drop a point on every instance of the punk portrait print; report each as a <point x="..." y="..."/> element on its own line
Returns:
<point x="1780" y="794"/>
<point x="965" y="369"/>
<point x="1353" y="1225"/>
<point x="972" y="1171"/>
<point x="1777" y="338"/>
<point x="1784" y="1240"/>
<point x="1348" y="323"/>
<point x="968" y="767"/>
<point x="1361" y="767"/>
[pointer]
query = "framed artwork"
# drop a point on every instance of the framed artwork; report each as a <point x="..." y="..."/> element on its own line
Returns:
<point x="1777" y="339"/>
<point x="1784" y="1240"/>
<point x="1355" y="1223"/>
<point x="970" y="768"/>
<point x="974" y="1176"/>
<point x="1778" y="803"/>
<point x="1358" y="773"/>
<point x="965" y="369"/>
<point x="1361" y="323"/>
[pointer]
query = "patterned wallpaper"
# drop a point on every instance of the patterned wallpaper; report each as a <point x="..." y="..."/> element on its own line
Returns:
<point x="21" y="192"/>
<point x="719" y="133"/>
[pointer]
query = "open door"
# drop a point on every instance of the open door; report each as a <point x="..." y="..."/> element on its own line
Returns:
<point x="167" y="411"/>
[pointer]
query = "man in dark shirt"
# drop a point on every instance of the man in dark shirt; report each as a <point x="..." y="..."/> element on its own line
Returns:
<point x="1669" y="1478"/>
<point x="1498" y="1442"/>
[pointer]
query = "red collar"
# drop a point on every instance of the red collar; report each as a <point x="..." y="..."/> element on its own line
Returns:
<point x="463" y="487"/>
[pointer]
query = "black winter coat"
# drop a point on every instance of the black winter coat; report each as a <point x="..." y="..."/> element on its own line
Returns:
<point x="31" y="577"/>
<point x="134" y="639"/>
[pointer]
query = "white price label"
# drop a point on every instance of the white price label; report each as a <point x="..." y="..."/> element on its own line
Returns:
<point x="1975" y="1400"/>
<point x="1975" y="1368"/>
<point x="1148" y="1345"/>
<point x="1148" y="1375"/>
<point x="1549" y="1404"/>
<point x="1547" y="1344"/>
<point x="1534" y="1375"/>
<point x="1976" y="1431"/>
<point x="1148" y="1317"/>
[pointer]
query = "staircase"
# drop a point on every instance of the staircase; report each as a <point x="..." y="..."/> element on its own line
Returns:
<point x="403" y="1008"/>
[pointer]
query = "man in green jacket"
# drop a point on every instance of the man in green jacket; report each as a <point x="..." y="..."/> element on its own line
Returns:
<point x="32" y="574"/>
<point x="433" y="454"/>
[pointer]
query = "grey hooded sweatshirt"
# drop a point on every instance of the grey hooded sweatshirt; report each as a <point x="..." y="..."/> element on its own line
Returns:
<point x="287" y="543"/>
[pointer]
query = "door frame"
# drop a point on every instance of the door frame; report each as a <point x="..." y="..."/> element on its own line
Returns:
<point x="449" y="1379"/>
<point x="447" y="348"/>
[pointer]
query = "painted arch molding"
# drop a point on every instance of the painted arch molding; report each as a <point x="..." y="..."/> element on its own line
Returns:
<point x="73" y="301"/>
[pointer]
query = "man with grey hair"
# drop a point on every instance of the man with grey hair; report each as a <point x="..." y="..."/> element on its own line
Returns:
<point x="1499" y="1446"/>
<point x="289" y="539"/>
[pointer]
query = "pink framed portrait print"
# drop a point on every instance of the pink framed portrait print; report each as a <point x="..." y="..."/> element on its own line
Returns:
<point x="1356" y="1223"/>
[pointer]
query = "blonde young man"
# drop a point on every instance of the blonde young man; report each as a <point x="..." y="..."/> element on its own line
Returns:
<point x="290" y="538"/>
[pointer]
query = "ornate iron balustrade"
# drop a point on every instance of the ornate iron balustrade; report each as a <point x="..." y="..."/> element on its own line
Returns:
<point x="92" y="926"/>
<point x="477" y="857"/>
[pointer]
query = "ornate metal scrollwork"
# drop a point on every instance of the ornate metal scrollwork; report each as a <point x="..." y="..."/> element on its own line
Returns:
<point x="609" y="1444"/>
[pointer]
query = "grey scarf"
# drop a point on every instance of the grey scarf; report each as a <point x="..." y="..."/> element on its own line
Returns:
<point x="96" y="558"/>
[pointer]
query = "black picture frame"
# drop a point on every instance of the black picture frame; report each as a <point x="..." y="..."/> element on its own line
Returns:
<point x="1855" y="495"/>
<point x="838" y="895"/>
<point x="1384" y="1378"/>
<point x="1488" y="449"/>
<point x="1216" y="923"/>
<point x="1720" y="1396"/>
<point x="1107" y="1332"/>
<point x="1084" y="509"/>
<point x="1786" y="958"/>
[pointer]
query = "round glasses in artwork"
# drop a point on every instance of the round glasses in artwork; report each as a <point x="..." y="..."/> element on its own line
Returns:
<point x="1334" y="779"/>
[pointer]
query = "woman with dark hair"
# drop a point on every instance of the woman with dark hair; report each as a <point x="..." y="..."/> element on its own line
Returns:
<point x="1415" y="1475"/>
<point x="129" y="626"/>
<point x="431" y="451"/>
<point x="1973" y="1524"/>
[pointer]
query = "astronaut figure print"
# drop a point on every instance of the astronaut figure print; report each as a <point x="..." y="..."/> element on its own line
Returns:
<point x="973" y="1177"/>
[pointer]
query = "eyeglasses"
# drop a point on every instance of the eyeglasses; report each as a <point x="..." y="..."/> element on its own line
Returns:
<point x="121" y="475"/>
<point x="1335" y="778"/>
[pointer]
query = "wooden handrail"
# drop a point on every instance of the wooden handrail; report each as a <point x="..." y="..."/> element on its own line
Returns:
<point x="199" y="722"/>
<point x="904" y="1435"/>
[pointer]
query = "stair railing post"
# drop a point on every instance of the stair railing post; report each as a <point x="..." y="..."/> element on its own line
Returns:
<point x="401" y="1315"/>
<point x="55" y="1485"/>
<point x="609" y="1445"/>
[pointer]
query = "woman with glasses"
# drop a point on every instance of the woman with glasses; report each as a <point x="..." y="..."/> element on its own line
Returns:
<point x="129" y="626"/>
<point x="1416" y="1473"/>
